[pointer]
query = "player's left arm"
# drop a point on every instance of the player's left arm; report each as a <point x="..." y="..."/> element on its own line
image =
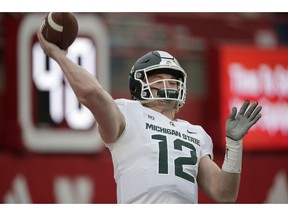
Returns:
<point x="219" y="185"/>
<point x="222" y="185"/>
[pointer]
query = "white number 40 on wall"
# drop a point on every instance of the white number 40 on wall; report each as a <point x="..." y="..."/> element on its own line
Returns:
<point x="90" y="50"/>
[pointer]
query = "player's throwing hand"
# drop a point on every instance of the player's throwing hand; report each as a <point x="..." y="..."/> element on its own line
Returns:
<point x="237" y="125"/>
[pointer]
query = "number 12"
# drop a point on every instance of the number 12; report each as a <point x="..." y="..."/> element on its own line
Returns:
<point x="178" y="162"/>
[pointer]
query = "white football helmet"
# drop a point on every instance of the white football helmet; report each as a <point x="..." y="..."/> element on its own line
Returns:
<point x="152" y="63"/>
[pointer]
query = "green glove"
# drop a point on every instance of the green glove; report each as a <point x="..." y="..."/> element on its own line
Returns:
<point x="237" y="125"/>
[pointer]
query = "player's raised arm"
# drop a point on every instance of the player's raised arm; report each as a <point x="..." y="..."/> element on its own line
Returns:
<point x="89" y="92"/>
<point x="237" y="126"/>
<point x="222" y="185"/>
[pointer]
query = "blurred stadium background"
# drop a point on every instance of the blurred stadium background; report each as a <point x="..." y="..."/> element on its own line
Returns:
<point x="49" y="152"/>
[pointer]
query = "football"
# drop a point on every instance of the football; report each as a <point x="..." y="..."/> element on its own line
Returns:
<point x="60" y="29"/>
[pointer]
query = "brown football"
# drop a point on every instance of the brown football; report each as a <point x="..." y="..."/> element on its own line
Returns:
<point x="60" y="29"/>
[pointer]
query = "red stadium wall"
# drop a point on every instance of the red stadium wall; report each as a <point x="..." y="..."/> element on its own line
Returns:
<point x="57" y="179"/>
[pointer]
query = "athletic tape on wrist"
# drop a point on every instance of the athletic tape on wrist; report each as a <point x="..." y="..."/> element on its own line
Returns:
<point x="233" y="156"/>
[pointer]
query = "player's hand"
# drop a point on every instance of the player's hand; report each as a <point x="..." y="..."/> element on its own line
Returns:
<point x="47" y="47"/>
<point x="237" y="125"/>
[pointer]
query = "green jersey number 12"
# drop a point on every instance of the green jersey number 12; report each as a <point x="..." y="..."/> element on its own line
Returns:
<point x="178" y="162"/>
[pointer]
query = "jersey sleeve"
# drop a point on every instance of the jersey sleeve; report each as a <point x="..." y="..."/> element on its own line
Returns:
<point x="123" y="105"/>
<point x="207" y="145"/>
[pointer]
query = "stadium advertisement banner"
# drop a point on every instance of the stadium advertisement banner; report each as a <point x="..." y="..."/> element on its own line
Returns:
<point x="255" y="74"/>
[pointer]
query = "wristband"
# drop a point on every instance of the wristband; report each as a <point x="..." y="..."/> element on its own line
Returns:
<point x="233" y="156"/>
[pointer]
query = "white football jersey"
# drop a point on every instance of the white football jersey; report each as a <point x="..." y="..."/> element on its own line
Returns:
<point x="156" y="159"/>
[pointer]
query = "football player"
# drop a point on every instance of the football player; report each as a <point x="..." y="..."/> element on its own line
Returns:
<point x="158" y="158"/>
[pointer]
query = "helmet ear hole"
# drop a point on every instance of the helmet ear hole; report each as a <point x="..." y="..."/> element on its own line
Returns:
<point x="134" y="86"/>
